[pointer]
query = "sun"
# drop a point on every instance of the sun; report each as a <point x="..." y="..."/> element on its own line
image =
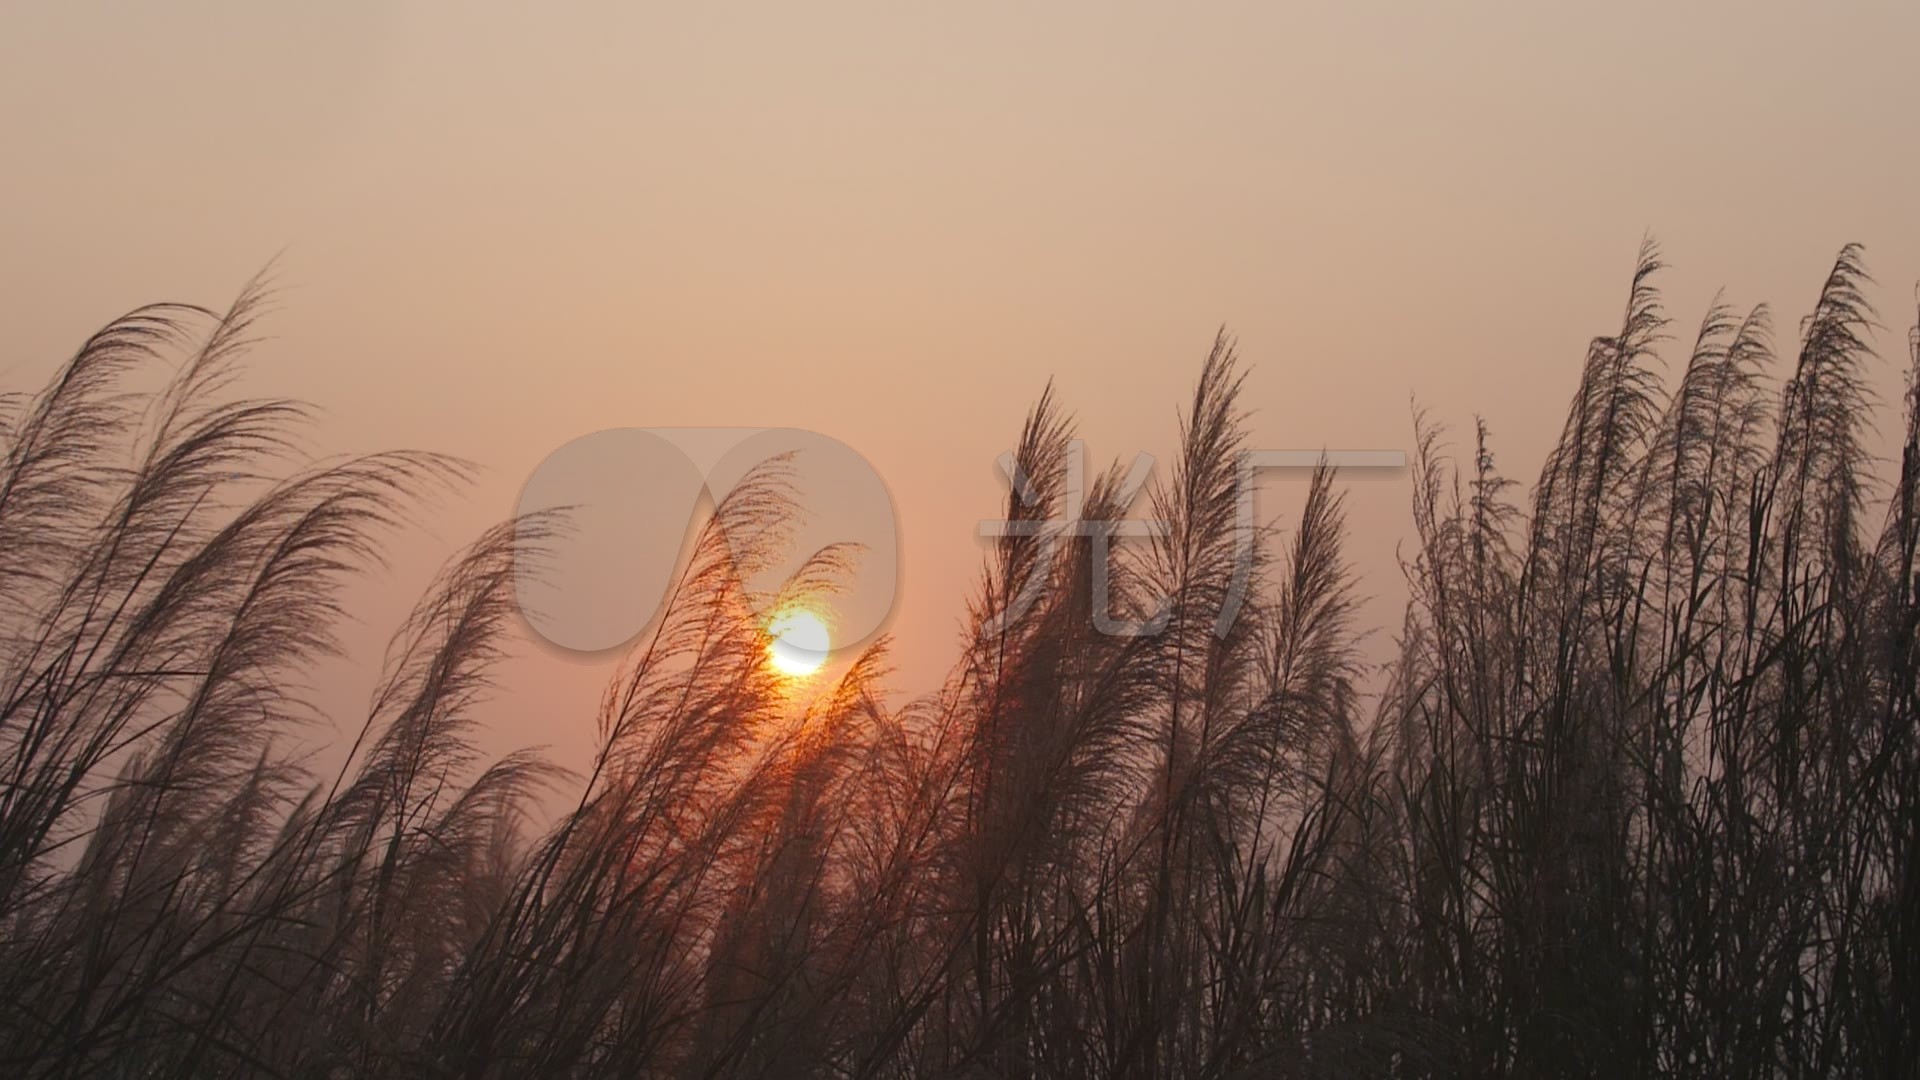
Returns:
<point x="800" y="642"/>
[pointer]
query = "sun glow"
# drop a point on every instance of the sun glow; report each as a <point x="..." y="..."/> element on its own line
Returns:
<point x="800" y="642"/>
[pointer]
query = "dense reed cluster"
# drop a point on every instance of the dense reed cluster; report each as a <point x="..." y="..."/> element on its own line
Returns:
<point x="1639" y="795"/>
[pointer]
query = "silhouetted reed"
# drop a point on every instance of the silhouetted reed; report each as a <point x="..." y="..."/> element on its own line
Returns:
<point x="1638" y="794"/>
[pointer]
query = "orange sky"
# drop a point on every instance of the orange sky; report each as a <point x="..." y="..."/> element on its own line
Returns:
<point x="504" y="228"/>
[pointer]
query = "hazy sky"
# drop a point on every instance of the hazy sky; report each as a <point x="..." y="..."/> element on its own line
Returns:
<point x="500" y="228"/>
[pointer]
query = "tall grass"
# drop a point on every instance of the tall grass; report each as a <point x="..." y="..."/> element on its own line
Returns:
<point x="1638" y="794"/>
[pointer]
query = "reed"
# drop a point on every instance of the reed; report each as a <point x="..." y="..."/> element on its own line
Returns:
<point x="1637" y="794"/>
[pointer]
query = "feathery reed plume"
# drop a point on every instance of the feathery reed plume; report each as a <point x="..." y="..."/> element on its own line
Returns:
<point x="1637" y="792"/>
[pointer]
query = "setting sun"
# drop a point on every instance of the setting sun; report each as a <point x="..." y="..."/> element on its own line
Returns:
<point x="800" y="642"/>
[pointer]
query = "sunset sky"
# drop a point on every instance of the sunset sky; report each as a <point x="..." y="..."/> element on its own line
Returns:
<point x="499" y="228"/>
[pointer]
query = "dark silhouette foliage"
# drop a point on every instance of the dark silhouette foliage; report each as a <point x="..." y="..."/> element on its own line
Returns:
<point x="1639" y="793"/>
